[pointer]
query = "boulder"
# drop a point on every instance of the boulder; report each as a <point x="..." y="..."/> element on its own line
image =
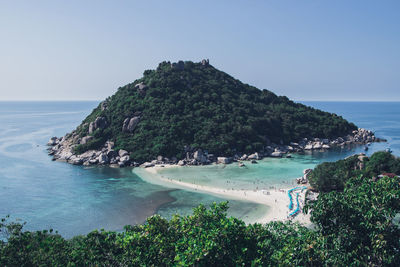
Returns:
<point x="307" y="171"/>
<point x="98" y="123"/>
<point x="111" y="154"/>
<point x="205" y="62"/>
<point x="147" y="165"/>
<point x="244" y="157"/>
<point x="122" y="153"/>
<point x="129" y="124"/>
<point x="124" y="159"/>
<point x="141" y="86"/>
<point x="199" y="156"/>
<point x="317" y="145"/>
<point x="86" y="139"/>
<point x="223" y="160"/>
<point x="88" y="155"/>
<point x="75" y="160"/>
<point x="308" y="147"/>
<point x="181" y="163"/>
<point x="276" y="154"/>
<point x="326" y="147"/>
<point x="103" y="105"/>
<point x="53" y="141"/>
<point x="93" y="161"/>
<point x="103" y="159"/>
<point x="254" y="156"/>
<point x="109" y="145"/>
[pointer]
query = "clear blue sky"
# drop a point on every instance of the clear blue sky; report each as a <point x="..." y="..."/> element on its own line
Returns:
<point x="306" y="50"/>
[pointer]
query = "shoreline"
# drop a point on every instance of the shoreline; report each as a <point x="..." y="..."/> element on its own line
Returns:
<point x="62" y="149"/>
<point x="276" y="200"/>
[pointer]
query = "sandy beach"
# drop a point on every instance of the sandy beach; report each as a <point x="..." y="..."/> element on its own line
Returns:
<point x="277" y="200"/>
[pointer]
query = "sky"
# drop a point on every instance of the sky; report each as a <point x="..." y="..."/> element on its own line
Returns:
<point x="306" y="50"/>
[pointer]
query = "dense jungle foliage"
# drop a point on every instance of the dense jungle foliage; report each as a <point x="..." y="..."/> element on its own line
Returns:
<point x="353" y="227"/>
<point x="330" y="176"/>
<point x="201" y="107"/>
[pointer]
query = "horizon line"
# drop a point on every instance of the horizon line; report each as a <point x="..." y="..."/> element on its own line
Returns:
<point x="95" y="100"/>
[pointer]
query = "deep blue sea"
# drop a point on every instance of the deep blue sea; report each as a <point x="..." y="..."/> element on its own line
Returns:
<point x="76" y="199"/>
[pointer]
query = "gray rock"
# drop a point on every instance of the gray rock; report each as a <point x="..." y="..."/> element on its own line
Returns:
<point x="308" y="147"/>
<point x="124" y="159"/>
<point x="111" y="154"/>
<point x="53" y="141"/>
<point x="254" y="156"/>
<point x="75" y="160"/>
<point x="223" y="160"/>
<point x="86" y="139"/>
<point x="199" y="156"/>
<point x="122" y="153"/>
<point x="103" y="105"/>
<point x="129" y="124"/>
<point x="103" y="159"/>
<point x="93" y="161"/>
<point x="91" y="127"/>
<point x="109" y="145"/>
<point x="276" y="154"/>
<point x="205" y="62"/>
<point x="181" y="163"/>
<point x="98" y="123"/>
<point x="147" y="165"/>
<point x="141" y="86"/>
<point x="317" y="145"/>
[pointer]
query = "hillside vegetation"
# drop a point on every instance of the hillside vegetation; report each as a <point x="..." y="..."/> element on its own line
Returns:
<point x="194" y="105"/>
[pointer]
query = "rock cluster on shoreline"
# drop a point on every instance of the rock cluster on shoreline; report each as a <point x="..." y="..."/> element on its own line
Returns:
<point x="62" y="149"/>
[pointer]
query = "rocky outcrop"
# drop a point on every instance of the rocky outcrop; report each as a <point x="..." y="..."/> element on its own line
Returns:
<point x="86" y="139"/>
<point x="129" y="124"/>
<point x="103" y="105"/>
<point x="205" y="62"/>
<point x="53" y="141"/>
<point x="99" y="123"/>
<point x="141" y="86"/>
<point x="254" y="156"/>
<point x="304" y="178"/>
<point x="200" y="157"/>
<point x="63" y="149"/>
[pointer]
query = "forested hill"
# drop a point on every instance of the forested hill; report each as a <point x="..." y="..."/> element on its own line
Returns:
<point x="198" y="106"/>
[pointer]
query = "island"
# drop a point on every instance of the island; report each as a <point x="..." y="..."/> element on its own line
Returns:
<point x="188" y="113"/>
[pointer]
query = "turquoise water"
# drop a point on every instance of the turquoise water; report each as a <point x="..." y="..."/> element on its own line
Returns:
<point x="75" y="199"/>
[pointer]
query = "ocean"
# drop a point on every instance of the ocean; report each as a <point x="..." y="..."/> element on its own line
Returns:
<point x="75" y="199"/>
